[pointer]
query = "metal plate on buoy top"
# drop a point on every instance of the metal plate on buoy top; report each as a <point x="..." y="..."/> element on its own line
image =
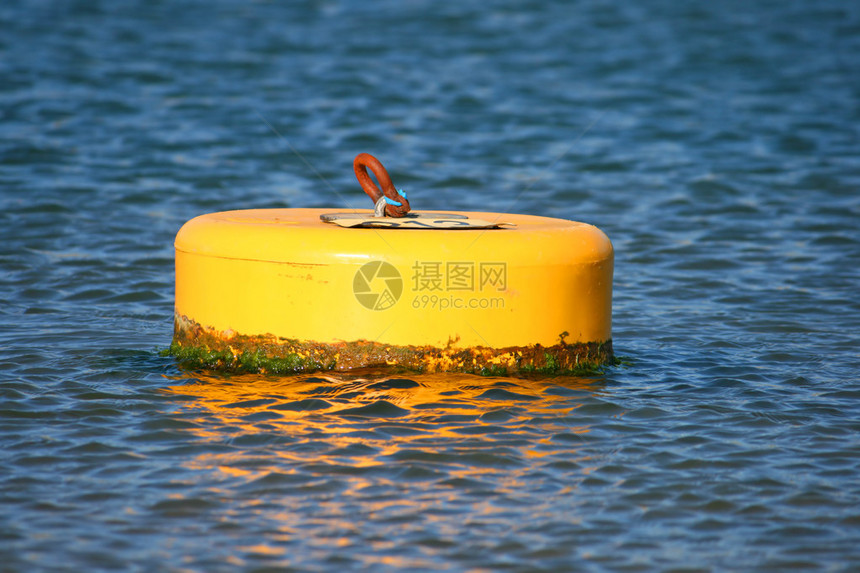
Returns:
<point x="328" y="217"/>
<point x="413" y="220"/>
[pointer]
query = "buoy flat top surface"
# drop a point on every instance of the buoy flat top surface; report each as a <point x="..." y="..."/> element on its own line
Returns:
<point x="299" y="235"/>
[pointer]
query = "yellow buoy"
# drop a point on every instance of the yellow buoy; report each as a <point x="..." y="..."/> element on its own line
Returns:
<point x="300" y="289"/>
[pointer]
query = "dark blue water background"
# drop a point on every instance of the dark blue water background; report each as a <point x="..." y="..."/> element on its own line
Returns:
<point x="717" y="144"/>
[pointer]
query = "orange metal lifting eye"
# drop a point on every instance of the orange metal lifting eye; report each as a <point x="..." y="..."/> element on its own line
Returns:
<point x="395" y="202"/>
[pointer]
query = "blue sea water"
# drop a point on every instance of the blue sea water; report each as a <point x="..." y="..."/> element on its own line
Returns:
<point x="717" y="144"/>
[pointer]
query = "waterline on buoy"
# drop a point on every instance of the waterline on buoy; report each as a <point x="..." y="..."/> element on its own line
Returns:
<point x="198" y="347"/>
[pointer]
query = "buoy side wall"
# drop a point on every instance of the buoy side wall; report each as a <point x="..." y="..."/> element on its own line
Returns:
<point x="306" y="302"/>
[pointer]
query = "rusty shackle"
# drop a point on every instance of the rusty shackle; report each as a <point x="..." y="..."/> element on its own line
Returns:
<point x="396" y="205"/>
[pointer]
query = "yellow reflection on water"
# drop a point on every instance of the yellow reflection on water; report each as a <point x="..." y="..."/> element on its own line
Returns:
<point x="358" y="429"/>
<point x="334" y="403"/>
